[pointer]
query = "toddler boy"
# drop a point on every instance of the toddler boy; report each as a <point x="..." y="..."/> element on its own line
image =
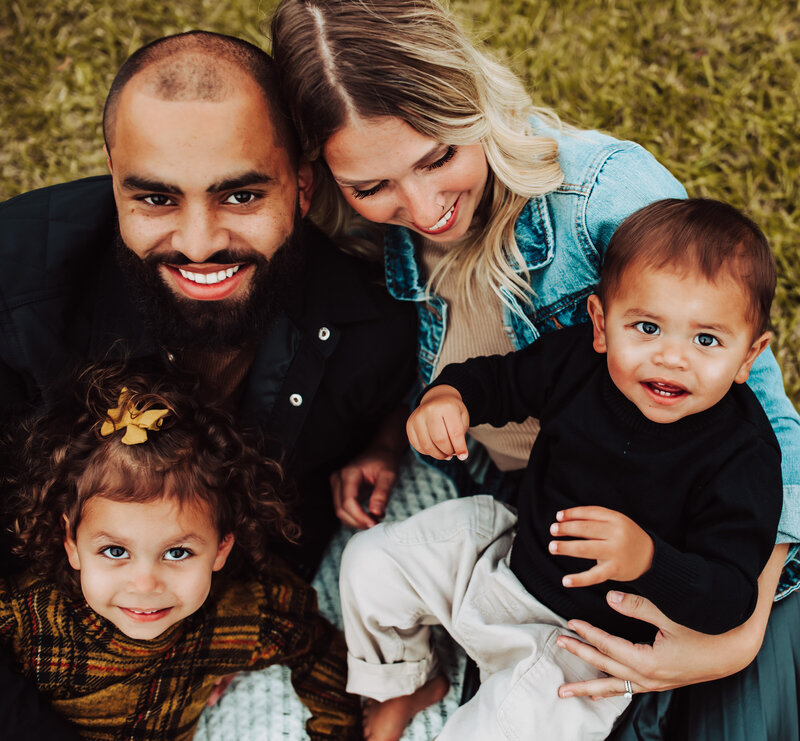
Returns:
<point x="655" y="467"/>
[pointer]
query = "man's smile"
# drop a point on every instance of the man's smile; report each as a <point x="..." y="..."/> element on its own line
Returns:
<point x="207" y="282"/>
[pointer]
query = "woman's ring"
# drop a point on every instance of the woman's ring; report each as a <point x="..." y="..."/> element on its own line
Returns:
<point x="628" y="689"/>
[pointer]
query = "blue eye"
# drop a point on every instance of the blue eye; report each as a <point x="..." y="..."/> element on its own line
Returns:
<point x="177" y="554"/>
<point x="115" y="552"/>
<point x="647" y="328"/>
<point x="706" y="340"/>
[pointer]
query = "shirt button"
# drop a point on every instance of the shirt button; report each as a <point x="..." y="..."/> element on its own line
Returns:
<point x="295" y="400"/>
<point x="324" y="333"/>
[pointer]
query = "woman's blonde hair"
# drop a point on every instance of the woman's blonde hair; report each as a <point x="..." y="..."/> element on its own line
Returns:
<point x="408" y="59"/>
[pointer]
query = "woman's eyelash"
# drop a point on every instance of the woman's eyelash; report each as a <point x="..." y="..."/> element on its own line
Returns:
<point x="369" y="192"/>
<point x="443" y="160"/>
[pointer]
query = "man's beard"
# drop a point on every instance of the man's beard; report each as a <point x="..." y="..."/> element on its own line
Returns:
<point x="179" y="322"/>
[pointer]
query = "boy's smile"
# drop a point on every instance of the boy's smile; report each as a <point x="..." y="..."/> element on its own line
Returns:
<point x="146" y="566"/>
<point x="675" y="342"/>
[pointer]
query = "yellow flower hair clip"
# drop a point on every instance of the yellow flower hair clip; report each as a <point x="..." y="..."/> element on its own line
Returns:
<point x="135" y="422"/>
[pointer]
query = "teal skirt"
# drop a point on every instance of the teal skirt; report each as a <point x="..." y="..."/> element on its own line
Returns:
<point x="760" y="703"/>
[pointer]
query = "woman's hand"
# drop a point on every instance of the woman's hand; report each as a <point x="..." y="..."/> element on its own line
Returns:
<point x="679" y="656"/>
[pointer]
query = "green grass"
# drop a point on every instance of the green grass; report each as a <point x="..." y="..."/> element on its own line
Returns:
<point x="711" y="87"/>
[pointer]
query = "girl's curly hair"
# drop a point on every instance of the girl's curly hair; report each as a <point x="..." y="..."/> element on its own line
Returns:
<point x="196" y="455"/>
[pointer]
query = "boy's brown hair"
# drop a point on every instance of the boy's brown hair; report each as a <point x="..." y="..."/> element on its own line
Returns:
<point x="695" y="234"/>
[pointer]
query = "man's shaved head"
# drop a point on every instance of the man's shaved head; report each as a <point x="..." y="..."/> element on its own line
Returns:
<point x="200" y="65"/>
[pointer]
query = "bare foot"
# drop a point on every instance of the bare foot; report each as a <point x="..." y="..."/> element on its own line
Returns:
<point x="386" y="721"/>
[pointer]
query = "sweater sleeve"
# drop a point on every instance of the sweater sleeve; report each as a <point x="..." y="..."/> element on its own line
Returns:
<point x="498" y="389"/>
<point x="313" y="650"/>
<point x="710" y="585"/>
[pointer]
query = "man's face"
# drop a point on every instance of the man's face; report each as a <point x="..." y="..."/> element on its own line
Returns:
<point x="205" y="199"/>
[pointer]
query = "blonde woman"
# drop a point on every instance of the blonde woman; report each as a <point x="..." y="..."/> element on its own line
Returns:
<point x="493" y="219"/>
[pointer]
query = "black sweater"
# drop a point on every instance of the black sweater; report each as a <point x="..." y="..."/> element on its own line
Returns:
<point x="706" y="488"/>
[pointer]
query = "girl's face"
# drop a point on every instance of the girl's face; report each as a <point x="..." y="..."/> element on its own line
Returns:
<point x="146" y="566"/>
<point x="392" y="174"/>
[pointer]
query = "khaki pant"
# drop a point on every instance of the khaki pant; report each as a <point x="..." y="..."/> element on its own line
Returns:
<point x="448" y="565"/>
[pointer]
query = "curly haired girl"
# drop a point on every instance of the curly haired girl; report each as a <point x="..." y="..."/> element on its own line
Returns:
<point x="150" y="491"/>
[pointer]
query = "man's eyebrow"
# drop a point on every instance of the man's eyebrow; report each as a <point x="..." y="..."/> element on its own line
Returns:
<point x="253" y="177"/>
<point x="134" y="182"/>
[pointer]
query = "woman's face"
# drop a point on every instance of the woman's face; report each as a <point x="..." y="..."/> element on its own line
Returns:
<point x="392" y="174"/>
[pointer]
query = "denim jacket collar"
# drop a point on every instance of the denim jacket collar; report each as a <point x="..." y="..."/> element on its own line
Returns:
<point x="533" y="231"/>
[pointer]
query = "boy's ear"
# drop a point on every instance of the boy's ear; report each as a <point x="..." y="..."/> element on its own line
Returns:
<point x="598" y="323"/>
<point x="223" y="552"/>
<point x="108" y="158"/>
<point x="305" y="185"/>
<point x="759" y="345"/>
<point x="70" y="546"/>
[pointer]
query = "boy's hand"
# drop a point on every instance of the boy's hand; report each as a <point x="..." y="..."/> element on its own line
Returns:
<point x="438" y="426"/>
<point x="623" y="550"/>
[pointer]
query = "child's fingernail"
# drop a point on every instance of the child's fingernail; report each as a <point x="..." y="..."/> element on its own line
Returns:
<point x="553" y="546"/>
<point x="554" y="529"/>
<point x="566" y="581"/>
<point x="462" y="456"/>
<point x="561" y="643"/>
<point x="615" y="597"/>
<point x="566" y="693"/>
<point x="560" y="515"/>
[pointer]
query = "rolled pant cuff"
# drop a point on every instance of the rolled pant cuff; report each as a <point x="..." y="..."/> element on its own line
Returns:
<point x="384" y="681"/>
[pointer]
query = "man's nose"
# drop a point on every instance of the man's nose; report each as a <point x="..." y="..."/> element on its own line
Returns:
<point x="199" y="234"/>
<point x="424" y="203"/>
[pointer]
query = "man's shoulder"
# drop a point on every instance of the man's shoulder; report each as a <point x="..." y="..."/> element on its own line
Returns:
<point x="48" y="235"/>
<point x="345" y="287"/>
<point x="75" y="201"/>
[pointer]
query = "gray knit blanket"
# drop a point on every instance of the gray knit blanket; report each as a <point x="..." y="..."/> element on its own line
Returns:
<point x="262" y="706"/>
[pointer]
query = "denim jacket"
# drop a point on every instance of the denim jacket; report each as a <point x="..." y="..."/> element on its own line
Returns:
<point x="562" y="237"/>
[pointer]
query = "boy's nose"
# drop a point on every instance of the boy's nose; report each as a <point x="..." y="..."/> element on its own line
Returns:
<point x="671" y="355"/>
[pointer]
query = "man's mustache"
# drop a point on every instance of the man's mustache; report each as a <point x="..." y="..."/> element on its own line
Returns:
<point x="221" y="257"/>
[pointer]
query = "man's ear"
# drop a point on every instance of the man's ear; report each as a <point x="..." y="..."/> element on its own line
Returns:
<point x="108" y="158"/>
<point x="223" y="552"/>
<point x="759" y="345"/>
<point x="305" y="185"/>
<point x="70" y="546"/>
<point x="598" y="323"/>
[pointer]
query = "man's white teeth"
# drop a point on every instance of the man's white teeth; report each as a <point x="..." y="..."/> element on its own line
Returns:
<point x="204" y="279"/>
<point x="439" y="224"/>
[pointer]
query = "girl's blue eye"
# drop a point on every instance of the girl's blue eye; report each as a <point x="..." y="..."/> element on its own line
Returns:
<point x="706" y="340"/>
<point x="177" y="554"/>
<point x="647" y="328"/>
<point x="115" y="552"/>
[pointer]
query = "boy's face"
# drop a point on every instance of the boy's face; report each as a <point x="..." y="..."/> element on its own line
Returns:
<point x="675" y="343"/>
<point x="146" y="566"/>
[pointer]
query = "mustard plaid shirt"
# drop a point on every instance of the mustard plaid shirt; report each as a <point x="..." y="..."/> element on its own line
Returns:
<point x="113" y="687"/>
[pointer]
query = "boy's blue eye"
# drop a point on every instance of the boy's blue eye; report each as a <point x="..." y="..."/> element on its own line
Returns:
<point x="177" y="554"/>
<point x="115" y="552"/>
<point x="706" y="340"/>
<point x="647" y="328"/>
